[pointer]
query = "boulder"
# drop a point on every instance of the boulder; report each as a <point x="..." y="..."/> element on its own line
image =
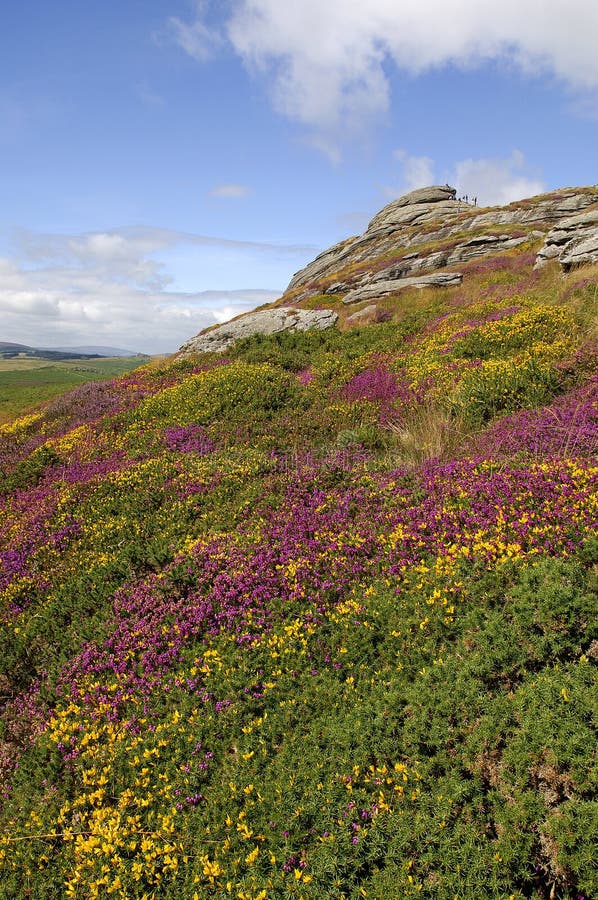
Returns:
<point x="267" y="321"/>
<point x="426" y="196"/>
<point x="434" y="193"/>
<point x="381" y="288"/>
<point x="573" y="241"/>
<point x="393" y="217"/>
<point x="580" y="252"/>
<point x="361" y="314"/>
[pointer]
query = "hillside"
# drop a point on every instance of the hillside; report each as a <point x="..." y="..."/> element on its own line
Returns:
<point x="313" y="616"/>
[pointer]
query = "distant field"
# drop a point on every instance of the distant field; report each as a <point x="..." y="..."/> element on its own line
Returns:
<point x="26" y="384"/>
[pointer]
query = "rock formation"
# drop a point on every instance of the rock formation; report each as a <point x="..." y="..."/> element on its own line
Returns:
<point x="362" y="314"/>
<point x="415" y="242"/>
<point x="573" y="241"/>
<point x="418" y="207"/>
<point x="267" y="321"/>
<point x="428" y="230"/>
<point x="381" y="288"/>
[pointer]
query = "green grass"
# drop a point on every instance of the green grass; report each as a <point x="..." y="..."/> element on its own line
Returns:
<point x="26" y="384"/>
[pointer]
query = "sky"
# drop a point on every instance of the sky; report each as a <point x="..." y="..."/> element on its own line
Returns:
<point x="168" y="164"/>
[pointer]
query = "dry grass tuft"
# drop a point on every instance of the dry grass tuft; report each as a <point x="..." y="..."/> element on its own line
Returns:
<point x="429" y="432"/>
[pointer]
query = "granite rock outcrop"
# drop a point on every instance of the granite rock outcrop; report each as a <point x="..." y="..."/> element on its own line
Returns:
<point x="266" y="321"/>
<point x="381" y="288"/>
<point x="429" y="229"/>
<point x="416" y="242"/>
<point x="573" y="241"/>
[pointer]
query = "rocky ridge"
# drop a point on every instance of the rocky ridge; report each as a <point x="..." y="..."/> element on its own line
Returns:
<point x="416" y="242"/>
<point x="429" y="229"/>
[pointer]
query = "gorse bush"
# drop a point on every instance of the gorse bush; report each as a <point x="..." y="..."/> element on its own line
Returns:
<point x="506" y="336"/>
<point x="235" y="390"/>
<point x="497" y="387"/>
<point x="311" y="620"/>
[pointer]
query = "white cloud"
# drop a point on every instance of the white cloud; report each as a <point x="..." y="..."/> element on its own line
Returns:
<point x="325" y="62"/>
<point x="496" y="181"/>
<point x="128" y="247"/>
<point x="112" y="313"/>
<point x="111" y="288"/>
<point x="230" y="191"/>
<point x="416" y="172"/>
<point x="196" y="38"/>
<point x="324" y="69"/>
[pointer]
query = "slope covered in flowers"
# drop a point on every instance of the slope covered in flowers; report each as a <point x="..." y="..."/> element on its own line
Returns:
<point x="313" y="620"/>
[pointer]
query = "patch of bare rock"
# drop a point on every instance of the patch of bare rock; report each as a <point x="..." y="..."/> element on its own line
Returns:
<point x="380" y="288"/>
<point x="266" y="321"/>
<point x="362" y="314"/>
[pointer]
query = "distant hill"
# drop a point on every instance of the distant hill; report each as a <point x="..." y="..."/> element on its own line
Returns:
<point x="9" y="350"/>
<point x="8" y="347"/>
<point x="92" y="350"/>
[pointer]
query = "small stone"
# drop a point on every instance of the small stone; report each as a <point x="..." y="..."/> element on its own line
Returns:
<point x="362" y="313"/>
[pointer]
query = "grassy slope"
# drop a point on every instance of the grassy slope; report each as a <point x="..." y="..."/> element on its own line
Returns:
<point x="317" y="621"/>
<point x="27" y="383"/>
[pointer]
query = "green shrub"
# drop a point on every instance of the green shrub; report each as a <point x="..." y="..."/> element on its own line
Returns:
<point x="502" y="386"/>
<point x="241" y="389"/>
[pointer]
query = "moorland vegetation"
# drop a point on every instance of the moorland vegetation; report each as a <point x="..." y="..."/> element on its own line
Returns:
<point x="314" y="617"/>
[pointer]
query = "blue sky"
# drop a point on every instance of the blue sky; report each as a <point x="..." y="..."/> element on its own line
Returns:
<point x="169" y="163"/>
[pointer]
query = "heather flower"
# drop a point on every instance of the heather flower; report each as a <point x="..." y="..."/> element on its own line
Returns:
<point x="188" y="439"/>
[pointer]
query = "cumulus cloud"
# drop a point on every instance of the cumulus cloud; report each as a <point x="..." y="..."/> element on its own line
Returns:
<point x="497" y="181"/>
<point x="230" y="191"/>
<point x="325" y="62"/>
<point x="111" y="288"/>
<point x="416" y="172"/>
